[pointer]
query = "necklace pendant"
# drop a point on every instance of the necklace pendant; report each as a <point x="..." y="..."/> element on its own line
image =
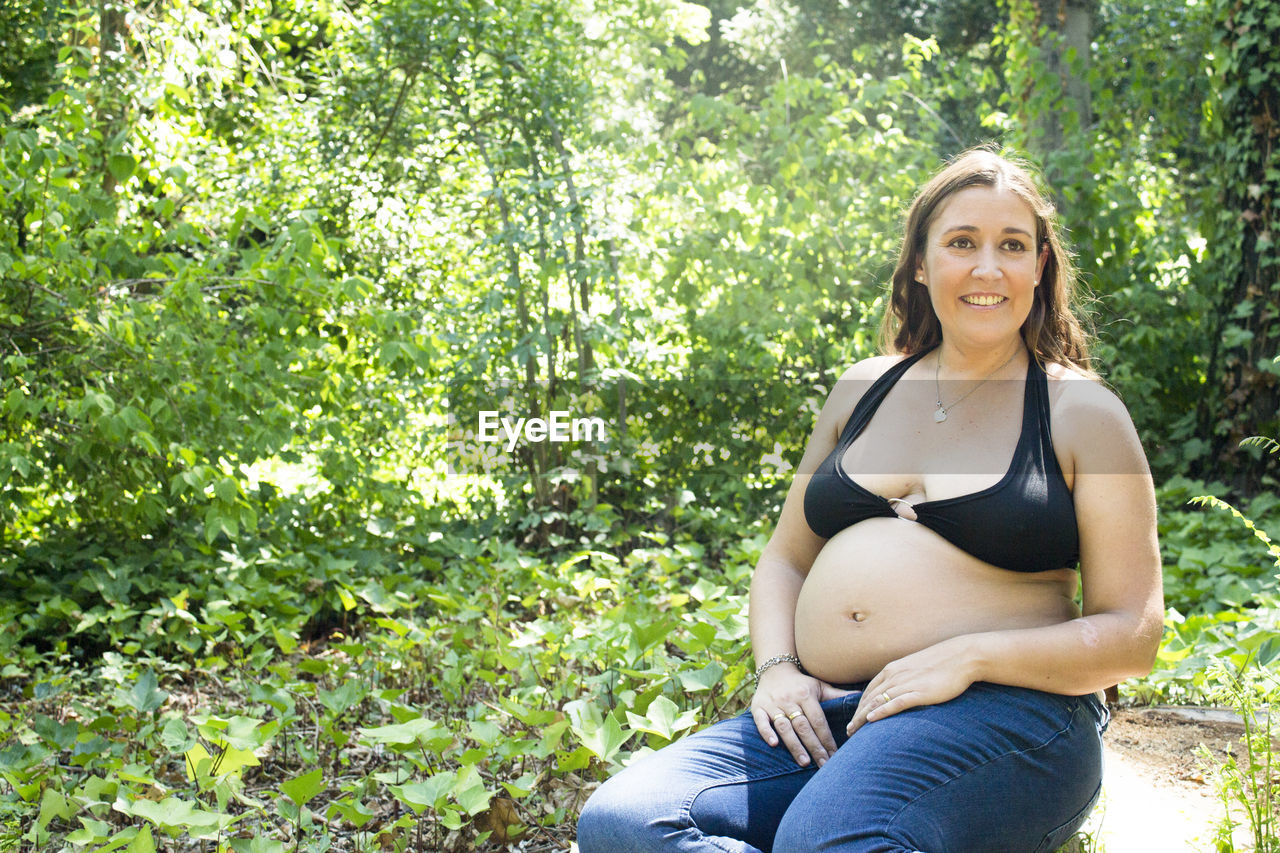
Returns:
<point x="940" y="415"/>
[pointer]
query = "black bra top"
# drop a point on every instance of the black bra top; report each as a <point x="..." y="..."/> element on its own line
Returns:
<point x="1026" y="522"/>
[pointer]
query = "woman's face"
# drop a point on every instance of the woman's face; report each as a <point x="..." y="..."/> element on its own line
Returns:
<point x="981" y="266"/>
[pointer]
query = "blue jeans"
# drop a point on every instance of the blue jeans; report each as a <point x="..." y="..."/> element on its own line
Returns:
<point x="995" y="769"/>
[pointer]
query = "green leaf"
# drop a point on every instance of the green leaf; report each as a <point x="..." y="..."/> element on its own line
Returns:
<point x="136" y="773"/>
<point x="471" y="792"/>
<point x="351" y="810"/>
<point x="121" y="166"/>
<point x="663" y="719"/>
<point x="91" y="832"/>
<point x="145" y="695"/>
<point x="61" y="735"/>
<point x="175" y="735"/>
<point x="199" y="763"/>
<point x="303" y="789"/>
<point x="601" y="735"/>
<point x="53" y="805"/>
<point x="227" y="490"/>
<point x="233" y="760"/>
<point x="97" y="790"/>
<point x="428" y="794"/>
<point x="342" y="698"/>
<point x="243" y="733"/>
<point x="703" y="679"/>
<point x="419" y="731"/>
<point x="286" y="640"/>
<point x="348" y="600"/>
<point x="143" y="842"/>
<point x="705" y="589"/>
<point x="175" y="815"/>
<point x="650" y="634"/>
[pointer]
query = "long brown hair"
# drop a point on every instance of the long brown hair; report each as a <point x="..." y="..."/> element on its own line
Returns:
<point x="1052" y="331"/>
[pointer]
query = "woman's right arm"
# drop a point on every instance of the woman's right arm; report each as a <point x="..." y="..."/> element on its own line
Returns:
<point x="786" y="703"/>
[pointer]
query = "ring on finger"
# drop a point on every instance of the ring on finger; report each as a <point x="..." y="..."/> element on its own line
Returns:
<point x="778" y="716"/>
<point x="885" y="698"/>
<point x="795" y="714"/>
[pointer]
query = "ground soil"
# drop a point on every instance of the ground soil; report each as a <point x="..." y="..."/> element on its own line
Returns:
<point x="1159" y="792"/>
<point x="1164" y="741"/>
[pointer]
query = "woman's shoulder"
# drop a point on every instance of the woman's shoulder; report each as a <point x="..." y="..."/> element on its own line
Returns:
<point x="852" y="384"/>
<point x="1077" y="392"/>
<point x="859" y="376"/>
<point x="1089" y="417"/>
<point x="871" y="368"/>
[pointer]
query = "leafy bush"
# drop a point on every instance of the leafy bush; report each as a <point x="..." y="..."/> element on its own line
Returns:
<point x="476" y="698"/>
<point x="1221" y="591"/>
<point x="1212" y="562"/>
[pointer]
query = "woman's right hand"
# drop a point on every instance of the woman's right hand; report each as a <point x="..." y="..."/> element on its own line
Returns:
<point x="786" y="709"/>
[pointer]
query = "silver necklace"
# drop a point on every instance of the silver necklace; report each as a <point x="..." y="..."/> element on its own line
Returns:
<point x="940" y="414"/>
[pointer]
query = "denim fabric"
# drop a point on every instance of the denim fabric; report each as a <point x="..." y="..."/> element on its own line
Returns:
<point x="996" y="769"/>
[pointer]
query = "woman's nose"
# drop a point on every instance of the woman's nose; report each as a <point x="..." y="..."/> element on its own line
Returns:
<point x="986" y="264"/>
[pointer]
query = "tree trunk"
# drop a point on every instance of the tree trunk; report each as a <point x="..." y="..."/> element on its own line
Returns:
<point x="1242" y="268"/>
<point x="1067" y="43"/>
<point x="112" y="31"/>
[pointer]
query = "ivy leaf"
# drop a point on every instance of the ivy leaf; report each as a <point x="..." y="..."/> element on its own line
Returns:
<point x="242" y="732"/>
<point x="601" y="735"/>
<point x="342" y="698"/>
<point x="663" y="719"/>
<point x="91" y="832"/>
<point x="199" y="763"/>
<point x="703" y="679"/>
<point x="417" y="732"/>
<point x="61" y="735"/>
<point x="471" y="792"/>
<point x="425" y="795"/>
<point x="704" y="634"/>
<point x="304" y="788"/>
<point x="142" y="842"/>
<point x="351" y="810"/>
<point x="145" y="695"/>
<point x="649" y="634"/>
<point x="53" y="805"/>
<point x="233" y="760"/>
<point x="175" y="815"/>
<point x="175" y="736"/>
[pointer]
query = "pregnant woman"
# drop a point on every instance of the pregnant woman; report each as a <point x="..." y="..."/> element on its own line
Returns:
<point x="926" y="680"/>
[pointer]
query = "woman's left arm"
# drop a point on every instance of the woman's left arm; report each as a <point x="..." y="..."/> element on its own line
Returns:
<point x="1119" y="631"/>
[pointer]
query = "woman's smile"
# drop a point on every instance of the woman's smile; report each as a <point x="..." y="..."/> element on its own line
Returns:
<point x="984" y="300"/>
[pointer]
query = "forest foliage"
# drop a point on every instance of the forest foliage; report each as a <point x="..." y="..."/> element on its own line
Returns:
<point x="262" y="264"/>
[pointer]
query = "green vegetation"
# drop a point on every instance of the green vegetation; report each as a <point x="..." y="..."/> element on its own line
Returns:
<point x="474" y="704"/>
<point x="262" y="264"/>
<point x="1246" y="781"/>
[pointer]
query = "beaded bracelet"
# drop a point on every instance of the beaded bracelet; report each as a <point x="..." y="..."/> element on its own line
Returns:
<point x="774" y="661"/>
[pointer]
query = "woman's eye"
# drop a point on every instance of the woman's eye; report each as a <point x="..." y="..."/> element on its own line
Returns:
<point x="1015" y="246"/>
<point x="961" y="243"/>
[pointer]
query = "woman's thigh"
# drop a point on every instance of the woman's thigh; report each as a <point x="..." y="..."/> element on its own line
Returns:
<point x="996" y="769"/>
<point x="720" y="789"/>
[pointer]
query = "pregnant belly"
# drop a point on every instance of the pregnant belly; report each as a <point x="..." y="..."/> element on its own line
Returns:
<point x="886" y="587"/>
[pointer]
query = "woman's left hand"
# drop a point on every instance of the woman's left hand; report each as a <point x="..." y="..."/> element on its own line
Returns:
<point x="928" y="677"/>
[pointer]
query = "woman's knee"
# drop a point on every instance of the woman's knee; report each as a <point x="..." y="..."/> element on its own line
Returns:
<point x="616" y="817"/>
<point x="603" y="821"/>
<point x="595" y="825"/>
<point x="805" y="834"/>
